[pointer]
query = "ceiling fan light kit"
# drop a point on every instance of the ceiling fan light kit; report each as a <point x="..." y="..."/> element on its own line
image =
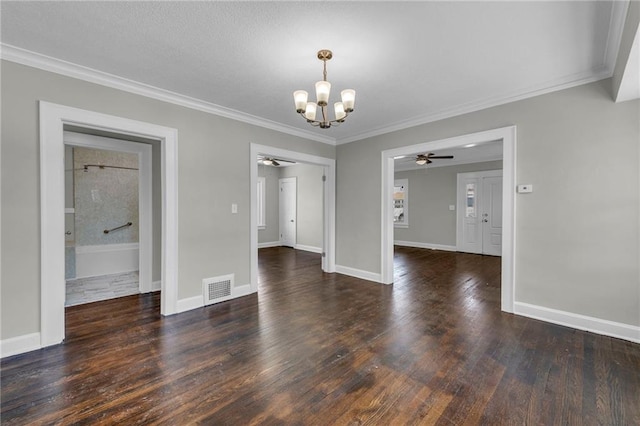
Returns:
<point x="269" y="161"/>
<point x="422" y="159"/>
<point x="308" y="110"/>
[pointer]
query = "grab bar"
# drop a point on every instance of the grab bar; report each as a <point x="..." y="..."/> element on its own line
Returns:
<point x="106" y="231"/>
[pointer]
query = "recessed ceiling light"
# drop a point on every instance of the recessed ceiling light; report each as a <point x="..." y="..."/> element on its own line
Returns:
<point x="470" y="145"/>
<point x="399" y="157"/>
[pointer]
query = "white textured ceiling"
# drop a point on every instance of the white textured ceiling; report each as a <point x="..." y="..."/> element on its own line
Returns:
<point x="409" y="62"/>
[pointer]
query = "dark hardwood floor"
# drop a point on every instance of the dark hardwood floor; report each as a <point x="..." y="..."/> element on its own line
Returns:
<point x="322" y="349"/>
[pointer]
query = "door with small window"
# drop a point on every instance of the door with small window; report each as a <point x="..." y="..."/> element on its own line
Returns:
<point x="479" y="221"/>
<point x="401" y="203"/>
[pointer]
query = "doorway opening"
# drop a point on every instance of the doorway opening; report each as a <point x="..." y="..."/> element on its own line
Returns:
<point x="54" y="120"/>
<point x="310" y="204"/>
<point x="109" y="223"/>
<point x="504" y="136"/>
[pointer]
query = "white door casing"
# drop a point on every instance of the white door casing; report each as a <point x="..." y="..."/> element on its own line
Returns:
<point x="479" y="212"/>
<point x="288" y="211"/>
<point x="329" y="211"/>
<point x="508" y="137"/>
<point x="53" y="118"/>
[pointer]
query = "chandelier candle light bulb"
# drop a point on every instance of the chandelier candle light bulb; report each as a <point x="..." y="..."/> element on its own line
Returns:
<point x="308" y="110"/>
<point x="311" y="111"/>
<point x="323" y="88"/>
<point x="348" y="99"/>
<point x="339" y="110"/>
<point x="300" y="97"/>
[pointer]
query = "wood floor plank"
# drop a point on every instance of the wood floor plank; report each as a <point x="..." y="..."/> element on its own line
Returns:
<point x="314" y="349"/>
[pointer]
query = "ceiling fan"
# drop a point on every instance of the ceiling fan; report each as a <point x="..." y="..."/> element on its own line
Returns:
<point x="270" y="161"/>
<point x="423" y="159"/>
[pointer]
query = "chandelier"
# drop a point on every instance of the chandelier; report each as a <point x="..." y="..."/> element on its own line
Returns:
<point x="308" y="110"/>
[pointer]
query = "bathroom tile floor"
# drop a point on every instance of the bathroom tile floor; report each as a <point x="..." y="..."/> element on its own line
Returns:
<point x="93" y="289"/>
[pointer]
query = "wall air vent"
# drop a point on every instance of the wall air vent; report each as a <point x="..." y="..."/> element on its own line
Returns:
<point x="217" y="289"/>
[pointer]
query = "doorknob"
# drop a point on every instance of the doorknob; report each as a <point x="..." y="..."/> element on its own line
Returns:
<point x="485" y="220"/>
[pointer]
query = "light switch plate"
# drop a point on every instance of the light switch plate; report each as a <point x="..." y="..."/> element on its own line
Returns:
<point x="234" y="208"/>
<point x="452" y="207"/>
<point x="525" y="189"/>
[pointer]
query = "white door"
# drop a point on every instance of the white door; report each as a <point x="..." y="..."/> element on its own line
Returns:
<point x="288" y="201"/>
<point x="469" y="229"/>
<point x="479" y="218"/>
<point x="492" y="215"/>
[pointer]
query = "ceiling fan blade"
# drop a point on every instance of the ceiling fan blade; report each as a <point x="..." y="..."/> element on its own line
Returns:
<point x="274" y="162"/>
<point x="441" y="156"/>
<point x="285" y="161"/>
<point x="429" y="161"/>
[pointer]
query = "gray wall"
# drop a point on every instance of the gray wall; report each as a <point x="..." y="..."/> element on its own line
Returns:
<point x="431" y="191"/>
<point x="576" y="235"/>
<point x="213" y="173"/>
<point x="309" y="203"/>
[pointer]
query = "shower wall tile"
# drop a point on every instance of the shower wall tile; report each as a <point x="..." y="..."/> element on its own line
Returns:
<point x="105" y="198"/>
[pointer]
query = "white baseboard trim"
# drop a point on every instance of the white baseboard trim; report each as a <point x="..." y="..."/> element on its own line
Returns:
<point x="308" y="248"/>
<point x="190" y="303"/>
<point x="195" y="302"/>
<point x="425" y="245"/>
<point x="156" y="285"/>
<point x="243" y="290"/>
<point x="20" y="344"/>
<point x="359" y="273"/>
<point x="580" y="322"/>
<point x="269" y="244"/>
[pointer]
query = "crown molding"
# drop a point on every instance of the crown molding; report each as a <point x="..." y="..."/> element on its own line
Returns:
<point x="69" y="69"/>
<point x="549" y="87"/>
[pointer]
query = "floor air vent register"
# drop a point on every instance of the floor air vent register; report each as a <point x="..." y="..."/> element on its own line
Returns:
<point x="217" y="289"/>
